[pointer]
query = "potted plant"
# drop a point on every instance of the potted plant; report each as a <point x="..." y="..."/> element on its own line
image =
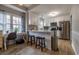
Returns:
<point x="16" y="29"/>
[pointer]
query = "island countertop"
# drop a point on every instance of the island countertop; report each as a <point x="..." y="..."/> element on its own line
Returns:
<point x="43" y="33"/>
<point x="40" y="30"/>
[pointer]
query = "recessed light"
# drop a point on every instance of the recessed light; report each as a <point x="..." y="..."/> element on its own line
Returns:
<point x="20" y="4"/>
<point x="53" y="14"/>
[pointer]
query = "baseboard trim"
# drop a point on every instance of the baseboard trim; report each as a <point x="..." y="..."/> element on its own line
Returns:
<point x="74" y="49"/>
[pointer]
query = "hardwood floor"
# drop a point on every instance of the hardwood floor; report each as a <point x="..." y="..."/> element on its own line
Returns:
<point x="22" y="49"/>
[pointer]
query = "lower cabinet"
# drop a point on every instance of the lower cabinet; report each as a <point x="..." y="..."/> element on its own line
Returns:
<point x="1" y="41"/>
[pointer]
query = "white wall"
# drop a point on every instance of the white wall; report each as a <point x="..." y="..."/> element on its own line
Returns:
<point x="75" y="28"/>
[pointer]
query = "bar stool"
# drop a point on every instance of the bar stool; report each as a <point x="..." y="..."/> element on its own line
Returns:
<point x="40" y="41"/>
<point x="37" y="44"/>
<point x="42" y="44"/>
<point x="31" y="39"/>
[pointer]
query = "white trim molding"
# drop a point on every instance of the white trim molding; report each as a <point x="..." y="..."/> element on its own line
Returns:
<point x="74" y="49"/>
<point x="14" y="7"/>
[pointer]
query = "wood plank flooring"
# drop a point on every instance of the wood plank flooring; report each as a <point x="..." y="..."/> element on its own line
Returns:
<point x="65" y="48"/>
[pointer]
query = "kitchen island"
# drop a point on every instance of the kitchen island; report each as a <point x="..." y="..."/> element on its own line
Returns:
<point x="50" y="38"/>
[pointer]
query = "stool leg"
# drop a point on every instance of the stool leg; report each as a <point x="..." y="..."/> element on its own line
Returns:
<point x="34" y="40"/>
<point x="31" y="40"/>
<point x="36" y="43"/>
<point x="44" y="43"/>
<point x="41" y="45"/>
<point x="28" y="40"/>
<point x="39" y="42"/>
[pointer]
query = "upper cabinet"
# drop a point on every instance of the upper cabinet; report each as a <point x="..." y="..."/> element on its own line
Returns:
<point x="33" y="18"/>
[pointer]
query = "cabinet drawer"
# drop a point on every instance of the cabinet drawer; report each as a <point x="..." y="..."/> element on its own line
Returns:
<point x="1" y="36"/>
<point x="1" y="43"/>
<point x="1" y="46"/>
<point x="1" y="40"/>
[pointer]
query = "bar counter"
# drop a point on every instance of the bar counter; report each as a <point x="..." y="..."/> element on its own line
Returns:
<point x="50" y="37"/>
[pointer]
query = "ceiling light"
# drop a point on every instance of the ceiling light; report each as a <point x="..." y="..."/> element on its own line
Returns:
<point x="20" y="4"/>
<point x="53" y="14"/>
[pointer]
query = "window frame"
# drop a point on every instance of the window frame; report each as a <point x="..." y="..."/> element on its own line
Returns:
<point x="5" y="23"/>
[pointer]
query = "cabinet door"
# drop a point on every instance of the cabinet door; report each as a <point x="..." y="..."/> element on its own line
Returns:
<point x="1" y="42"/>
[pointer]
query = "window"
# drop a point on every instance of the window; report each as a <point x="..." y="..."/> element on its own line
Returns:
<point x="8" y="17"/>
<point x="17" y="24"/>
<point x="15" y="20"/>
<point x="1" y="27"/>
<point x="7" y="23"/>
<point x="1" y="21"/>
<point x="10" y="22"/>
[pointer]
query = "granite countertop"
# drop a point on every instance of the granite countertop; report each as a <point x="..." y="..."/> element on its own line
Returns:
<point x="45" y="31"/>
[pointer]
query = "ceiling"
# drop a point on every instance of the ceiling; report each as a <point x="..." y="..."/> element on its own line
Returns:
<point x="44" y="9"/>
<point x="21" y="7"/>
<point x="28" y="6"/>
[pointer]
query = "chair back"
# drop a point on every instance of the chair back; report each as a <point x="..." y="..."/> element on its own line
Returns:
<point x="12" y="36"/>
